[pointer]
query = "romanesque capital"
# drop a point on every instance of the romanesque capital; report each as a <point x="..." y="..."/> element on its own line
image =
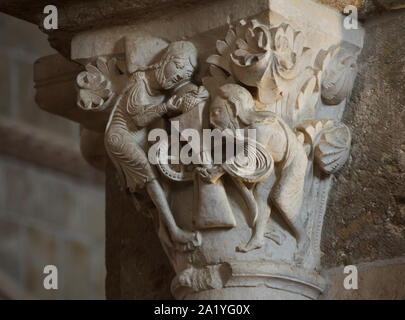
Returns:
<point x="268" y="83"/>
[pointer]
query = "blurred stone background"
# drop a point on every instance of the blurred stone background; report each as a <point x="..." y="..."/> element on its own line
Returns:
<point x="47" y="216"/>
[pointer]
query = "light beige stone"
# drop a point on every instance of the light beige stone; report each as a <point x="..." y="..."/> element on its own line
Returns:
<point x="300" y="71"/>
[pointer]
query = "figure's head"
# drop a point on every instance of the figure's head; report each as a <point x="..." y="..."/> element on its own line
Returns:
<point x="177" y="64"/>
<point x="232" y="102"/>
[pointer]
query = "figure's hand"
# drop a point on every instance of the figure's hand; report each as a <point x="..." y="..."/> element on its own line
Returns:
<point x="210" y="174"/>
<point x="174" y="103"/>
<point x="194" y="98"/>
<point x="188" y="100"/>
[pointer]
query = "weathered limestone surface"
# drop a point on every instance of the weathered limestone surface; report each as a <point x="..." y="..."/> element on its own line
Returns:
<point x="379" y="280"/>
<point x="75" y="15"/>
<point x="366" y="209"/>
<point x="137" y="267"/>
<point x="214" y="219"/>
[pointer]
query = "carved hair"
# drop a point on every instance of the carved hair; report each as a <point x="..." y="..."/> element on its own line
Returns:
<point x="238" y="97"/>
<point x="243" y="103"/>
<point x="181" y="50"/>
<point x="184" y="50"/>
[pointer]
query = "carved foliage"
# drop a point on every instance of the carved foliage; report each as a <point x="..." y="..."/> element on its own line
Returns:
<point x="96" y="84"/>
<point x="264" y="57"/>
<point x="339" y="71"/>
<point x="272" y="59"/>
<point x="330" y="143"/>
<point x="262" y="77"/>
<point x="333" y="149"/>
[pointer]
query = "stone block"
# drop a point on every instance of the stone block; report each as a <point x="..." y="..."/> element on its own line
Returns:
<point x="28" y="110"/>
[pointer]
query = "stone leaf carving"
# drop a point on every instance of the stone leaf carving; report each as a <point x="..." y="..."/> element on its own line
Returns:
<point x="98" y="84"/>
<point x="333" y="149"/>
<point x="272" y="59"/>
<point x="339" y="71"/>
<point x="330" y="143"/>
<point x="264" y="57"/>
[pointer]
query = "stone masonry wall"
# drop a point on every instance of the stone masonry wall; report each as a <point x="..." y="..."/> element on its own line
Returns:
<point x="46" y="217"/>
<point x="365" y="218"/>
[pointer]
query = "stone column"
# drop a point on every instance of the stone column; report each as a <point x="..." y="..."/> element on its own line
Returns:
<point x="241" y="229"/>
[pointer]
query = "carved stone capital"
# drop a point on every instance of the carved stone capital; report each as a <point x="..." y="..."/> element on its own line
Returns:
<point x="244" y="228"/>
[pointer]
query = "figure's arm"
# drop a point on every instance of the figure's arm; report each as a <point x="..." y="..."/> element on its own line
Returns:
<point x="191" y="97"/>
<point x="182" y="102"/>
<point x="149" y="113"/>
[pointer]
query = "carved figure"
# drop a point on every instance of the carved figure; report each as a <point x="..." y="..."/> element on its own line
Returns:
<point x="233" y="108"/>
<point x="263" y="78"/>
<point x="151" y="93"/>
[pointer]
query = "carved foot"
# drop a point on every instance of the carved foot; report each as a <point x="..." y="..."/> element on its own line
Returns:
<point x="277" y="236"/>
<point x="185" y="240"/>
<point x="179" y="240"/>
<point x="254" y="243"/>
<point x="301" y="251"/>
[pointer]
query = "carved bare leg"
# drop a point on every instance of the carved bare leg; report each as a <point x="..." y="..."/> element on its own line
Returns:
<point x="257" y="239"/>
<point x="249" y="199"/>
<point x="302" y="244"/>
<point x="183" y="240"/>
<point x="298" y="229"/>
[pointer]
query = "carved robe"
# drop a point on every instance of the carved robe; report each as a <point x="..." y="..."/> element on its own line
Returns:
<point x="126" y="134"/>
